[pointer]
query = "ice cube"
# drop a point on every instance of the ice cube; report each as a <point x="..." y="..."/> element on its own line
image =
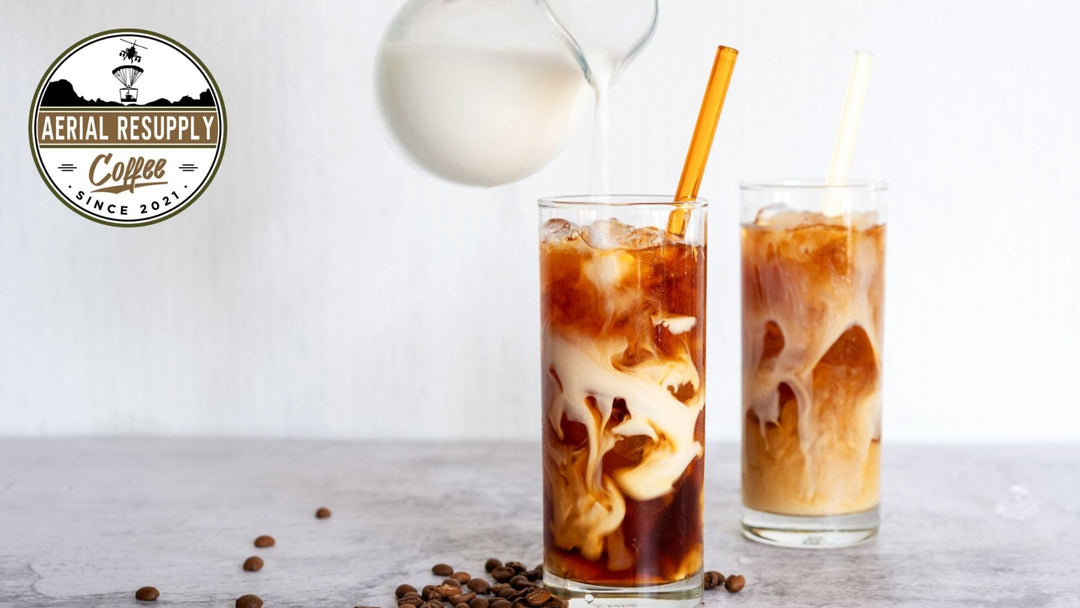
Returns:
<point x="644" y="238"/>
<point x="557" y="230"/>
<point x="1018" y="506"/>
<point x="606" y="234"/>
<point x="607" y="268"/>
<point x="766" y="215"/>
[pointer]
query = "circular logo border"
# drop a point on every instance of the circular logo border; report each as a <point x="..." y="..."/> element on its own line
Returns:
<point x="35" y="106"/>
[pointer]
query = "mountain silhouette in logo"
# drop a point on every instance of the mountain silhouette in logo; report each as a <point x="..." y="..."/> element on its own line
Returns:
<point x="61" y="93"/>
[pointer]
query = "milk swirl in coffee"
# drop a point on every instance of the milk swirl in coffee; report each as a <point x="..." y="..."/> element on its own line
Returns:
<point x="622" y="313"/>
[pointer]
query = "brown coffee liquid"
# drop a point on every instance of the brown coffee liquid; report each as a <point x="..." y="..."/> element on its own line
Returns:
<point x="623" y="369"/>
<point x="813" y="291"/>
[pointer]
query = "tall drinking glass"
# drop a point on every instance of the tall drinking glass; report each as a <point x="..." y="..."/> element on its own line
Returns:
<point x="622" y="309"/>
<point x="812" y="304"/>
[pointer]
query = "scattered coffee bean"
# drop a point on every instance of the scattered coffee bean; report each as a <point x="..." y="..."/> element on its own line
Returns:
<point x="322" y="513"/>
<point x="248" y="601"/>
<point x="533" y="575"/>
<point x="491" y="564"/>
<point x="479" y="602"/>
<point x="520" y="581"/>
<point x="502" y="574"/>
<point x="264" y="541"/>
<point x="403" y="589"/>
<point x="518" y="567"/>
<point x="478" y="585"/>
<point x="735" y="583"/>
<point x="713" y="579"/>
<point x="253" y="563"/>
<point x="410" y="600"/>
<point x="461" y="577"/>
<point x="147" y="594"/>
<point x="442" y="569"/>
<point x="433" y="604"/>
<point x="500" y="603"/>
<point x="497" y="588"/>
<point x="538" y="597"/>
<point x="461" y="605"/>
<point x="453" y="582"/>
<point x="446" y="591"/>
<point x="462" y="598"/>
<point x="411" y="594"/>
<point x="507" y="593"/>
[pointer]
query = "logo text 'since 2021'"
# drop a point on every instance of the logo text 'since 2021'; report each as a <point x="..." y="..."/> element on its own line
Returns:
<point x="127" y="127"/>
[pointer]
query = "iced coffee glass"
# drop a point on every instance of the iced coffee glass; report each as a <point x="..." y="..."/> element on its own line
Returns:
<point x="622" y="309"/>
<point x="813" y="279"/>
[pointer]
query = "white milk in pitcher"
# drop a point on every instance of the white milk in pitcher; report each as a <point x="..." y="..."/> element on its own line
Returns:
<point x="479" y="116"/>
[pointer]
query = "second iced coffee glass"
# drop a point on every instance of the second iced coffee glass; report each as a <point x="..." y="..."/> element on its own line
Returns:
<point x="813" y="280"/>
<point x="623" y="380"/>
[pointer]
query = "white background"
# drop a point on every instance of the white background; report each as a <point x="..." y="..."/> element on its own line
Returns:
<point x="325" y="287"/>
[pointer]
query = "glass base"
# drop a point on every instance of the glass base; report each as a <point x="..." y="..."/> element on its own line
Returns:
<point x="680" y="594"/>
<point x="810" y="532"/>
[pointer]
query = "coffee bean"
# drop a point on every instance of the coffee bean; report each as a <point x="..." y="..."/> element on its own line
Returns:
<point x="462" y="598"/>
<point x="403" y="589"/>
<point x="461" y="577"/>
<point x="433" y="604"/>
<point x="507" y="593"/>
<point x="518" y="567"/>
<point x="445" y="591"/>
<point x="442" y="569"/>
<point x="502" y="574"/>
<point x="556" y="602"/>
<point x="248" y="601"/>
<point x="429" y="592"/>
<point x="264" y="541"/>
<point x="538" y="597"/>
<point x="735" y="583"/>
<point x="520" y="581"/>
<point x="479" y="602"/>
<point x="533" y="575"/>
<point x="491" y="564"/>
<point x="713" y="579"/>
<point x="500" y="603"/>
<point x="322" y="513"/>
<point x="478" y="585"/>
<point x="411" y="594"/>
<point x="453" y="582"/>
<point x="410" y="600"/>
<point x="147" y="594"/>
<point x="498" y="587"/>
<point x="253" y="563"/>
<point x="461" y="605"/>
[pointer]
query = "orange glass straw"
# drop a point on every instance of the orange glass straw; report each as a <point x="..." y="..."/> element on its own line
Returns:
<point x="701" y="142"/>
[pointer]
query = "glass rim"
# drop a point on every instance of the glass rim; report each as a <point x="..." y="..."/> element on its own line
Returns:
<point x="617" y="200"/>
<point x="784" y="183"/>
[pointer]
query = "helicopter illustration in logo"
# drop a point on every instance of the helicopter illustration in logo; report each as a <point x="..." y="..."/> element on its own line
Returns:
<point x="128" y="74"/>
<point x="130" y="53"/>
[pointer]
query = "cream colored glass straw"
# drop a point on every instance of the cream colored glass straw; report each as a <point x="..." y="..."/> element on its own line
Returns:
<point x="844" y="146"/>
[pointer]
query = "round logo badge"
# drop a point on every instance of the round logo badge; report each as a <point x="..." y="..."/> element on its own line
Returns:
<point x="127" y="127"/>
